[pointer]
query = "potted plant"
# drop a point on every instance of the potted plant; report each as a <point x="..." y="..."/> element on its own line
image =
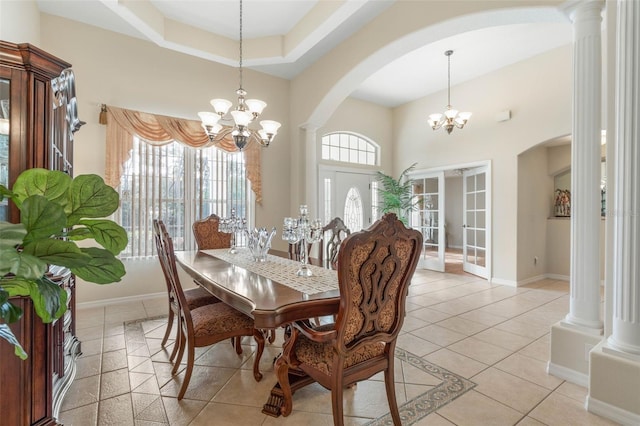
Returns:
<point x="396" y="194"/>
<point x="55" y="212"/>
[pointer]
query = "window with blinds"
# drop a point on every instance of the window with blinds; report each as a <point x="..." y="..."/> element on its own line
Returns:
<point x="179" y="185"/>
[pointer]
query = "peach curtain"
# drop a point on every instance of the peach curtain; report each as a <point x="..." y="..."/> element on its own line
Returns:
<point x="123" y="124"/>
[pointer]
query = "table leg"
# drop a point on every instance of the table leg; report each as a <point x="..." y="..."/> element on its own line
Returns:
<point x="273" y="406"/>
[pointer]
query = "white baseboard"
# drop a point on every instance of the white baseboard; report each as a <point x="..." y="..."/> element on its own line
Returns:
<point x="119" y="300"/>
<point x="531" y="280"/>
<point x="612" y="412"/>
<point x="557" y="277"/>
<point x="500" y="281"/>
<point x="568" y="374"/>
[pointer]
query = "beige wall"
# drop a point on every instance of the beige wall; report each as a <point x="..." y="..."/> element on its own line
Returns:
<point x="20" y="22"/>
<point x="131" y="73"/>
<point x="536" y="91"/>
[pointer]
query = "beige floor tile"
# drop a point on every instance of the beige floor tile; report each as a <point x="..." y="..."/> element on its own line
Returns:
<point x="512" y="391"/>
<point x="416" y="345"/>
<point x="453" y="307"/>
<point x="439" y="335"/>
<point x="228" y="415"/>
<point x="113" y="343"/>
<point x="114" y="383"/>
<point x="82" y="392"/>
<point x="560" y="410"/>
<point x="473" y="408"/>
<point x="482" y="317"/>
<point x="573" y="391"/>
<point x="524" y="328"/>
<point x="243" y="389"/>
<point x="116" y="411"/>
<point x="90" y="333"/>
<point x="433" y="419"/>
<point x="429" y="315"/>
<point x="462" y="325"/>
<point x="114" y="360"/>
<point x="480" y="351"/>
<point x="456" y="363"/>
<point x="413" y="323"/>
<point x="181" y="413"/>
<point x="529" y="369"/>
<point x="82" y="416"/>
<point x="88" y="366"/>
<point x="528" y="421"/>
<point x="91" y="347"/>
<point x="204" y="384"/>
<point x="416" y="376"/>
<point x="538" y="349"/>
<point x="503" y="339"/>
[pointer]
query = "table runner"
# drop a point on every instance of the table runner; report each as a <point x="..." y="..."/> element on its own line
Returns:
<point x="281" y="270"/>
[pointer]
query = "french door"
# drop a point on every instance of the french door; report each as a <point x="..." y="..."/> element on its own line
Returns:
<point x="428" y="217"/>
<point x="477" y="213"/>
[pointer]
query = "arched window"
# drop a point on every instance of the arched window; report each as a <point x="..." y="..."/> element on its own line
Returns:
<point x="349" y="148"/>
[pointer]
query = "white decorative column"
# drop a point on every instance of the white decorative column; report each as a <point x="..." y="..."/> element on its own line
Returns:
<point x="614" y="387"/>
<point x="311" y="168"/>
<point x="582" y="328"/>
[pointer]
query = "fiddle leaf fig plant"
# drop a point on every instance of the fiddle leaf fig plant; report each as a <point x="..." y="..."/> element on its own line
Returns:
<point x="55" y="212"/>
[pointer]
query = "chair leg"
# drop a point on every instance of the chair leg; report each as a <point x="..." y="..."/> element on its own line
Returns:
<point x="169" y="326"/>
<point x="391" y="393"/>
<point x="189" y="369"/>
<point x="178" y="341"/>
<point x="183" y="343"/>
<point x="337" y="396"/>
<point x="259" y="338"/>
<point x="238" y="344"/>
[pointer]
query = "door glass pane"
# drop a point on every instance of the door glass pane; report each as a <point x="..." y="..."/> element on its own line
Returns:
<point x="471" y="240"/>
<point x="481" y="218"/>
<point x="471" y="183"/>
<point x="480" y="238"/>
<point x="480" y="201"/>
<point x="471" y="201"/>
<point x="353" y="209"/>
<point x="481" y="259"/>
<point x="431" y="185"/>
<point x="481" y="182"/>
<point x="471" y="219"/>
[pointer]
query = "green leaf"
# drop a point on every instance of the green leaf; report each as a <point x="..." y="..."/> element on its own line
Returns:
<point x="49" y="300"/>
<point x="41" y="217"/>
<point x="78" y="234"/>
<point x="91" y="198"/>
<point x="108" y="234"/>
<point x="11" y="234"/>
<point x="7" y="334"/>
<point x="5" y="193"/>
<point x="57" y="252"/>
<point x="51" y="184"/>
<point x="10" y="312"/>
<point x="104" y="267"/>
<point x="21" y="264"/>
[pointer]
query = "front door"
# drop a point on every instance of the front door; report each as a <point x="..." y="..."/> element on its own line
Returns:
<point x="475" y="239"/>
<point x="353" y="199"/>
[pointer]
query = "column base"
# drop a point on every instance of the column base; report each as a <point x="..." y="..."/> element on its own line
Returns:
<point x="613" y="385"/>
<point x="569" y="353"/>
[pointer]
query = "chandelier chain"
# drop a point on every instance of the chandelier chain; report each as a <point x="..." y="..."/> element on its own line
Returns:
<point x="240" y="67"/>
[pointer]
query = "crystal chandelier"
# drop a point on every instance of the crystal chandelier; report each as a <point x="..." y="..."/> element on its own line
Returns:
<point x="451" y="117"/>
<point x="245" y="113"/>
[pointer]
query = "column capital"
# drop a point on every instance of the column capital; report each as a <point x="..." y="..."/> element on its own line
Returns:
<point x="582" y="9"/>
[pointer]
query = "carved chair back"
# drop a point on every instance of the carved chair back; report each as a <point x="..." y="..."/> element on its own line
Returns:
<point x="332" y="235"/>
<point x="207" y="234"/>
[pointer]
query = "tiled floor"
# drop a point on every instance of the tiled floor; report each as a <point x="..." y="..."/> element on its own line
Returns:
<point x="493" y="338"/>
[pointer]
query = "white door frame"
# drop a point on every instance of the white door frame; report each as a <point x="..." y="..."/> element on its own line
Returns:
<point x="489" y="201"/>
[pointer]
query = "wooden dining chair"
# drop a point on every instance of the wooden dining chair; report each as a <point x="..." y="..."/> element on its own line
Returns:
<point x="375" y="267"/>
<point x="194" y="297"/>
<point x="208" y="235"/>
<point x="332" y="235"/>
<point x="205" y="325"/>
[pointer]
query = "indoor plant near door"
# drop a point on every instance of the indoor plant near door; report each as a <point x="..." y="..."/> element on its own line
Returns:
<point x="55" y="211"/>
<point x="396" y="194"/>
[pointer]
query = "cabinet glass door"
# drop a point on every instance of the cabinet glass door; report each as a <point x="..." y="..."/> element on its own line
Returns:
<point x="4" y="143"/>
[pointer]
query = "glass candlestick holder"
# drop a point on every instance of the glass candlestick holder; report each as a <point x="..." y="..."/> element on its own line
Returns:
<point x="304" y="232"/>
<point x="233" y="225"/>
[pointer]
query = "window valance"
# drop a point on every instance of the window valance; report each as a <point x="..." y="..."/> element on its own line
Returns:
<point x="124" y="124"/>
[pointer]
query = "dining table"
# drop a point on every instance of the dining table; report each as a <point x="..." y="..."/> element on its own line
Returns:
<point x="270" y="292"/>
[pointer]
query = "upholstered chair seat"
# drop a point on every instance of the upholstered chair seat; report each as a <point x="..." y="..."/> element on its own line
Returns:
<point x="217" y="319"/>
<point x="197" y="297"/>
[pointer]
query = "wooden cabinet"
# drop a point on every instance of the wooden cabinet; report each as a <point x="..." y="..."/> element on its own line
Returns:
<point x="35" y="132"/>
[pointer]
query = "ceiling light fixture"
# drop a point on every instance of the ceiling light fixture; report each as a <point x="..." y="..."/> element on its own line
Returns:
<point x="246" y="112"/>
<point x="451" y="117"/>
